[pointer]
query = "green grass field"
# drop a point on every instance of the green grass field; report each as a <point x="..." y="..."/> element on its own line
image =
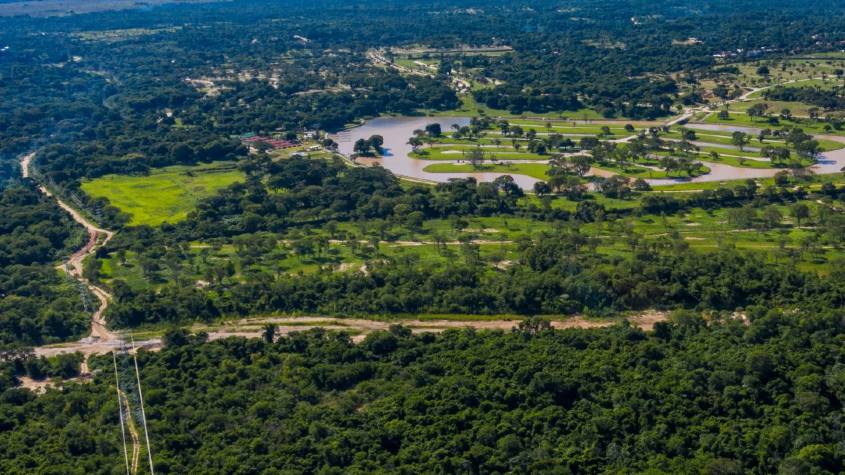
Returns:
<point x="166" y="194"/>
<point x="535" y="170"/>
<point x="637" y="171"/>
<point x="742" y="120"/>
<point x="802" y="83"/>
<point x="455" y="152"/>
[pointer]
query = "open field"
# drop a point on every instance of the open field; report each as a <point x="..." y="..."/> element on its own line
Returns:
<point x="166" y="194"/>
<point x="305" y="255"/>
<point x="456" y="152"/>
<point x="812" y="182"/>
<point x="786" y="70"/>
<point x="827" y="84"/>
<point x="536" y="170"/>
<point x="803" y="71"/>
<point x="649" y="172"/>
<point x="741" y="119"/>
<point x="798" y="109"/>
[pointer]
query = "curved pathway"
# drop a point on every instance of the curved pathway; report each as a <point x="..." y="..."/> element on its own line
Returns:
<point x="73" y="266"/>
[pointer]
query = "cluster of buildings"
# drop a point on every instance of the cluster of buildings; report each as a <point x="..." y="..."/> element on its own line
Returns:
<point x="740" y="52"/>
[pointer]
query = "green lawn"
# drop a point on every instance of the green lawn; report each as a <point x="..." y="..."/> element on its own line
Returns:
<point x="740" y="119"/>
<point x="636" y="171"/>
<point x="535" y="170"/>
<point x="723" y="138"/>
<point x="802" y="83"/>
<point x="538" y="170"/>
<point x="449" y="153"/>
<point x="166" y="194"/>
<point x="691" y="187"/>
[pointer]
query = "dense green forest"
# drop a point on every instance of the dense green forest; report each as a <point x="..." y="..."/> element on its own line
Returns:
<point x="694" y="396"/>
<point x="38" y="305"/>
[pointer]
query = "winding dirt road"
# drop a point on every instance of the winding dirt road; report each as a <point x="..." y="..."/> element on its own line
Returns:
<point x="254" y="328"/>
<point x="73" y="266"/>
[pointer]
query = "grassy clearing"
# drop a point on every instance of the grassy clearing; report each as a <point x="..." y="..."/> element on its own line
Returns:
<point x="798" y="109"/>
<point x="166" y="194"/>
<point x="742" y="120"/>
<point x="534" y="170"/>
<point x="803" y="71"/>
<point x="782" y="71"/>
<point x="637" y="171"/>
<point x="722" y="138"/>
<point x="727" y="157"/>
<point x="813" y="183"/>
<point x="424" y="66"/>
<point x="725" y="138"/>
<point x="829" y="83"/>
<point x="456" y="153"/>
<point x="538" y="170"/>
<point x="697" y="186"/>
<point x="610" y="204"/>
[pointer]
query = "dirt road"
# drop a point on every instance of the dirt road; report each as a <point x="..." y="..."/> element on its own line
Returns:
<point x="285" y="325"/>
<point x="135" y="439"/>
<point x="97" y="237"/>
<point x="254" y="328"/>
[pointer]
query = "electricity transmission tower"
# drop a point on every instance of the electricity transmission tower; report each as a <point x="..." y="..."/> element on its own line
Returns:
<point x="131" y="403"/>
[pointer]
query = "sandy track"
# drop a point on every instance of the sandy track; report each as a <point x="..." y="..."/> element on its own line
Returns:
<point x="254" y="327"/>
<point x="645" y="321"/>
<point x="73" y="266"/>
<point x="133" y="432"/>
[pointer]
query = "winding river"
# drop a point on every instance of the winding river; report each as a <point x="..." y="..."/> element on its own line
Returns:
<point x="397" y="130"/>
